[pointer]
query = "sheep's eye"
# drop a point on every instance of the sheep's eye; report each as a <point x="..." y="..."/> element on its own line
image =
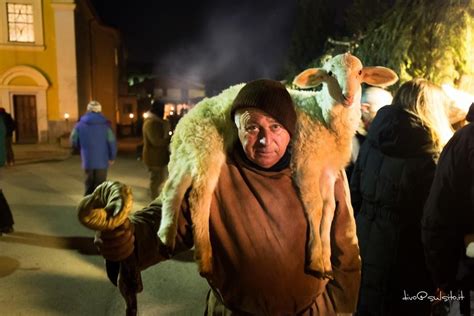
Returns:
<point x="330" y="73"/>
<point x="360" y="72"/>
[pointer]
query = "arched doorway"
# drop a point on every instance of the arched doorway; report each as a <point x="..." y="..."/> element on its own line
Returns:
<point x="23" y="94"/>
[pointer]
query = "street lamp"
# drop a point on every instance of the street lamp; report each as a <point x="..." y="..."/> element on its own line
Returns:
<point x="131" y="116"/>
<point x="66" y="118"/>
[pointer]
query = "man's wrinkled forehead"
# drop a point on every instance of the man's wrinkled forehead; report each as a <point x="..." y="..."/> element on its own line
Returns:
<point x="244" y="116"/>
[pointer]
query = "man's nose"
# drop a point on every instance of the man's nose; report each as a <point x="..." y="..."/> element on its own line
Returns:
<point x="264" y="137"/>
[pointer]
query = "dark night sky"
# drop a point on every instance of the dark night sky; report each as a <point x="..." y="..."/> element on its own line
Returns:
<point x="216" y="42"/>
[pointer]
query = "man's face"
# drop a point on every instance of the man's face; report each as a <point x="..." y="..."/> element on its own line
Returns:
<point x="263" y="138"/>
<point x="368" y="115"/>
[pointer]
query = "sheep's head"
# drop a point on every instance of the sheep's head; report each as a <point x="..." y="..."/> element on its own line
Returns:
<point x="343" y="75"/>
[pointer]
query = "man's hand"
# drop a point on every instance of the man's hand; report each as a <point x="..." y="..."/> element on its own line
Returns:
<point x="118" y="244"/>
<point x="107" y="207"/>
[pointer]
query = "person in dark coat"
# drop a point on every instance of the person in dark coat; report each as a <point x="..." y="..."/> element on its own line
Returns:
<point x="448" y="219"/>
<point x="96" y="141"/>
<point x="156" y="139"/>
<point x="10" y="126"/>
<point x="389" y="186"/>
<point x="3" y="151"/>
<point x="6" y="218"/>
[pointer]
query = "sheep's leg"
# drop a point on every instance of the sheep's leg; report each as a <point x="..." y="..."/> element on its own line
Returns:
<point x="175" y="188"/>
<point x="329" y="206"/>
<point x="314" y="217"/>
<point x="311" y="198"/>
<point x="200" y="202"/>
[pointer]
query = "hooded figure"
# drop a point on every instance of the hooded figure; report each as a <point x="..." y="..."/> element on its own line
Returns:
<point x="389" y="186"/>
<point x="257" y="222"/>
<point x="448" y="219"/>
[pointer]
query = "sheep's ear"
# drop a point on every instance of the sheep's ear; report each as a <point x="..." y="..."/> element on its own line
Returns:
<point x="379" y="76"/>
<point x="309" y="78"/>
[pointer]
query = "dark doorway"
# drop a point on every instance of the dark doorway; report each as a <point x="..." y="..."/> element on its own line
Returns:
<point x="26" y="120"/>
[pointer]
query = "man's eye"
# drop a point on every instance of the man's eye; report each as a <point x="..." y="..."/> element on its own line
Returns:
<point x="251" y="129"/>
<point x="276" y="127"/>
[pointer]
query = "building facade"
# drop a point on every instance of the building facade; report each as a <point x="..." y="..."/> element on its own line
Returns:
<point x="55" y="56"/>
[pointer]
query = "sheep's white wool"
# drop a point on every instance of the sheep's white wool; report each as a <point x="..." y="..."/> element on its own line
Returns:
<point x="198" y="151"/>
<point x="321" y="148"/>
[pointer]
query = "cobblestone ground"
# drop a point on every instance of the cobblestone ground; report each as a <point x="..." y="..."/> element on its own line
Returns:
<point x="49" y="265"/>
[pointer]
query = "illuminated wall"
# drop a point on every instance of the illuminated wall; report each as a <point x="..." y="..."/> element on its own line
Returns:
<point x="72" y="59"/>
<point x="22" y="65"/>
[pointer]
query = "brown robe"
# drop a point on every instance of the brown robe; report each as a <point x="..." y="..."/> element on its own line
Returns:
<point x="259" y="234"/>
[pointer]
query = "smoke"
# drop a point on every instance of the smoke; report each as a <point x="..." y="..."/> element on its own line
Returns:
<point x="233" y="44"/>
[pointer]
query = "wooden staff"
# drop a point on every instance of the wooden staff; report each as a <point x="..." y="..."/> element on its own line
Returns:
<point x="106" y="209"/>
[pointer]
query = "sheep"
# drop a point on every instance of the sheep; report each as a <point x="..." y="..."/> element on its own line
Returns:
<point x="322" y="145"/>
<point x="326" y="123"/>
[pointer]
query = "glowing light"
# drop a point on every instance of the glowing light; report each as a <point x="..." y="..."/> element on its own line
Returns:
<point x="461" y="98"/>
<point x="145" y="115"/>
<point x="131" y="115"/>
<point x="66" y="116"/>
<point x="170" y="133"/>
<point x="171" y="113"/>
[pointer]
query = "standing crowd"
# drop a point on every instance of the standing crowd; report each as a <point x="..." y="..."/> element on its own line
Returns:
<point x="389" y="186"/>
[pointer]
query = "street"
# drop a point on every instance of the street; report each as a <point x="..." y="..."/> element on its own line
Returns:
<point x="49" y="265"/>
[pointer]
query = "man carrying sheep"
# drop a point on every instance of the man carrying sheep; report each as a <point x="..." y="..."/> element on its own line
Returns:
<point x="258" y="228"/>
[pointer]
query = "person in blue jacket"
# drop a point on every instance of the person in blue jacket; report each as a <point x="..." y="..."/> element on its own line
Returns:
<point x="96" y="141"/>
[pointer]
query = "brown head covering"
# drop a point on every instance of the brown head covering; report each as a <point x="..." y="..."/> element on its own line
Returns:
<point x="269" y="96"/>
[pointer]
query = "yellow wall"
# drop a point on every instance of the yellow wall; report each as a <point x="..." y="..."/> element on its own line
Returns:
<point x="96" y="63"/>
<point x="22" y="81"/>
<point x="44" y="61"/>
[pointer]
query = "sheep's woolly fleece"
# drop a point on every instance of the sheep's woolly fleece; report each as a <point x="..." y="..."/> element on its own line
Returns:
<point x="198" y="150"/>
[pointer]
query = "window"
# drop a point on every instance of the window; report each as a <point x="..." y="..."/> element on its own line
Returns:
<point x="20" y="22"/>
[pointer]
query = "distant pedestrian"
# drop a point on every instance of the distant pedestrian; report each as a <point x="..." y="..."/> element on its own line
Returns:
<point x="95" y="140"/>
<point x="6" y="218"/>
<point x="156" y="138"/>
<point x="10" y="126"/>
